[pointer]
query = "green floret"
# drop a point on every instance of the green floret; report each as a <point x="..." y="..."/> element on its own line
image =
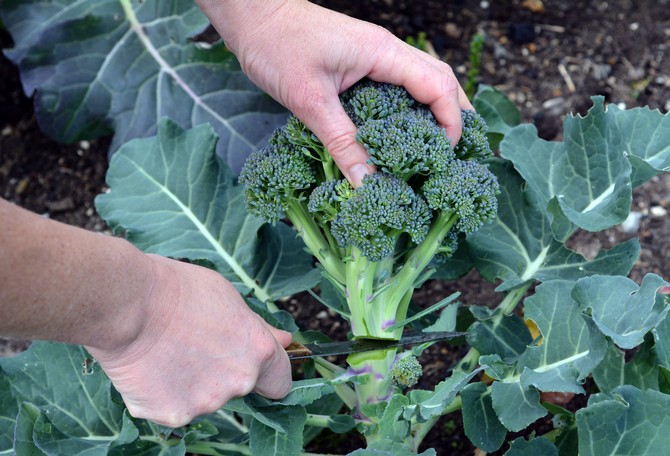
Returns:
<point x="406" y="143"/>
<point x="406" y="372"/>
<point x="377" y="213"/>
<point x="467" y="189"/>
<point x="373" y="100"/>
<point x="273" y="177"/>
<point x="325" y="200"/>
<point x="474" y="144"/>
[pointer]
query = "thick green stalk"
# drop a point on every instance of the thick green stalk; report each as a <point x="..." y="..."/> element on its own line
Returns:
<point x="398" y="295"/>
<point x="315" y="241"/>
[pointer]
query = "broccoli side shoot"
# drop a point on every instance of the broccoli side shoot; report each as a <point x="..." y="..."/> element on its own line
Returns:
<point x="406" y="371"/>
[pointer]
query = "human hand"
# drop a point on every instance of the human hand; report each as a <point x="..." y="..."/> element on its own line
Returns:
<point x="198" y="347"/>
<point x="304" y="55"/>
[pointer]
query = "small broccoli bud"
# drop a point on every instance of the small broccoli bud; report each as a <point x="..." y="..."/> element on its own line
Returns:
<point x="325" y="199"/>
<point x="467" y="189"/>
<point x="406" y="143"/>
<point x="377" y="213"/>
<point x="474" y="144"/>
<point x="273" y="176"/>
<point x="372" y="100"/>
<point x="406" y="371"/>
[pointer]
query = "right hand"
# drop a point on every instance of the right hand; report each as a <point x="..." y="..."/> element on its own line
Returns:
<point x="198" y="346"/>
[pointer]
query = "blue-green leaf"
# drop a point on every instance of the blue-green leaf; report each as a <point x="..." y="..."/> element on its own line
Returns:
<point x="480" y="421"/>
<point x="589" y="174"/>
<point x="500" y="114"/>
<point x="621" y="309"/>
<point x="520" y="246"/>
<point x="122" y="65"/>
<point x="505" y="336"/>
<point x="269" y="441"/>
<point x="516" y="405"/>
<point x="641" y="371"/>
<point x="173" y="196"/>
<point x="570" y="348"/>
<point x="626" y="422"/>
<point x="533" y="447"/>
<point x="23" y="432"/>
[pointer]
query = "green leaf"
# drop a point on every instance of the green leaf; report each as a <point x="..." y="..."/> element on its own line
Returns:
<point x="662" y="342"/>
<point x="532" y="447"/>
<point x="389" y="448"/>
<point x="640" y="372"/>
<point x="570" y="347"/>
<point x="9" y="408"/>
<point x="269" y="441"/>
<point x="51" y="377"/>
<point x="480" y="422"/>
<point x="590" y="172"/>
<point x="516" y="405"/>
<point x="434" y="403"/>
<point x="174" y="197"/>
<point x="500" y="114"/>
<point x="519" y="244"/>
<point x="121" y="66"/>
<point x="506" y="336"/>
<point x="23" y="433"/>
<point x="621" y="309"/>
<point x="627" y="422"/>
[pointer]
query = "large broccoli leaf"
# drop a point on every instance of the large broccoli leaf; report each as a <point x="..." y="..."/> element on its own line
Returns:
<point x="117" y="65"/>
<point x="586" y="180"/>
<point x="173" y="196"/>
<point x="519" y="245"/>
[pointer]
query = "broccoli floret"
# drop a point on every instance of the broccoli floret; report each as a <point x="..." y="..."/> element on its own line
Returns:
<point x="406" y="372"/>
<point x="377" y="213"/>
<point x="406" y="143"/>
<point x="273" y="176"/>
<point x="376" y="242"/>
<point x="467" y="189"/>
<point x="474" y="144"/>
<point x="373" y="100"/>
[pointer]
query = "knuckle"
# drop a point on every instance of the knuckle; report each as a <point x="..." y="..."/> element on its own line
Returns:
<point x="340" y="144"/>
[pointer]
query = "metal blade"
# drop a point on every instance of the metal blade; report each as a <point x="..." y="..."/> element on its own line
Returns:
<point x="298" y="351"/>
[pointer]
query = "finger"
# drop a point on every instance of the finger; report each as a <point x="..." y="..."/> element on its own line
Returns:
<point x="430" y="82"/>
<point x="274" y="380"/>
<point x="328" y="121"/>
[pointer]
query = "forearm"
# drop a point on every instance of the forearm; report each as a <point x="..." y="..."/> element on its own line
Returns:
<point x="67" y="284"/>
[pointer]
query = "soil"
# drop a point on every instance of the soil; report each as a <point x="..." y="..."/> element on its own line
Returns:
<point x="548" y="56"/>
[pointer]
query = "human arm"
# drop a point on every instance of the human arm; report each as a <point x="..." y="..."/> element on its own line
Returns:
<point x="304" y="55"/>
<point x="162" y="330"/>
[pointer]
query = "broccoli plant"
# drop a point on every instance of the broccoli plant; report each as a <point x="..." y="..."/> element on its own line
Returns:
<point x="375" y="243"/>
<point x="125" y="65"/>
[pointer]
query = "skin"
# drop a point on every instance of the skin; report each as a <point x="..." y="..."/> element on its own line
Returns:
<point x="322" y="53"/>
<point x="162" y="329"/>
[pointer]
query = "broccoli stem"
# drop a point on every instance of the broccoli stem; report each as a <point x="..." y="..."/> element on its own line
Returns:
<point x="315" y="241"/>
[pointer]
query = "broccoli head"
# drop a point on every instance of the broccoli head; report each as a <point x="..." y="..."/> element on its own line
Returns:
<point x="406" y="371"/>
<point x="376" y="242"/>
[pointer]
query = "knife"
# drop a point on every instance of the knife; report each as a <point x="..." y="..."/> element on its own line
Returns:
<point x="297" y="351"/>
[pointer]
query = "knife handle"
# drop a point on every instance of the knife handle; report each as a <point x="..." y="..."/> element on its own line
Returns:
<point x="296" y="349"/>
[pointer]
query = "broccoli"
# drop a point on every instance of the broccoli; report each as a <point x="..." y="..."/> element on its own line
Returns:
<point x="375" y="243"/>
<point x="406" y="371"/>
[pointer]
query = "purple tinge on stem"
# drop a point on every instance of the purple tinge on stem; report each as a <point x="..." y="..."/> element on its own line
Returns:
<point x="388" y="323"/>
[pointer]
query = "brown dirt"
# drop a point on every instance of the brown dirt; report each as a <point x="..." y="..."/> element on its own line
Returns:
<point x="548" y="60"/>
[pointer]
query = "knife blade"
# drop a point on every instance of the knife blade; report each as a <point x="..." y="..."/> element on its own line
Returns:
<point x="297" y="351"/>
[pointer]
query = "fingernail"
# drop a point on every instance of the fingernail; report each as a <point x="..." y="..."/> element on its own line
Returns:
<point x="357" y="173"/>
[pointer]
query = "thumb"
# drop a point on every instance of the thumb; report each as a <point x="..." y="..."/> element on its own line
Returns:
<point x="284" y="338"/>
<point x="337" y="132"/>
